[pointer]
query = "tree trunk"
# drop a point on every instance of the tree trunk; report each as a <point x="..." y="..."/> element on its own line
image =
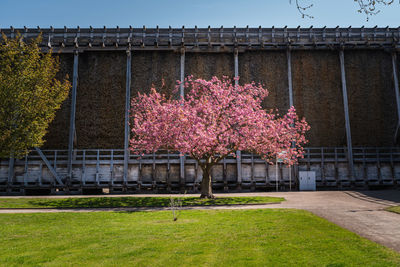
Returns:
<point x="206" y="185"/>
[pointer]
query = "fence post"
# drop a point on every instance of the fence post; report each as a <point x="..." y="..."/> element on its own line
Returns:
<point x="10" y="173"/>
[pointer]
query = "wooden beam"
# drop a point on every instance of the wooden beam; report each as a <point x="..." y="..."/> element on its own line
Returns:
<point x="127" y="108"/>
<point x="182" y="95"/>
<point x="397" y="93"/>
<point x="289" y="68"/>
<point x="346" y="115"/>
<point x="51" y="169"/>
<point x="161" y="38"/>
<point x="10" y="171"/>
<point x="72" y="115"/>
<point x="181" y="86"/>
<point x="238" y="153"/>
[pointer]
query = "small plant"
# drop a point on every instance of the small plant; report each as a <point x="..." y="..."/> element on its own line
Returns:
<point x="176" y="206"/>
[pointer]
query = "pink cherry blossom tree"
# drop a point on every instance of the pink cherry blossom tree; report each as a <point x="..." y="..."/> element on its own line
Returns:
<point x="215" y="119"/>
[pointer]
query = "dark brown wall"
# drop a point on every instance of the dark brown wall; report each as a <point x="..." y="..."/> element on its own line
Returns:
<point x="100" y="102"/>
<point x="372" y="103"/>
<point x="318" y="96"/>
<point x="151" y="68"/>
<point x="269" y="69"/>
<point x="58" y="131"/>
<point x="316" y="87"/>
<point x="207" y="65"/>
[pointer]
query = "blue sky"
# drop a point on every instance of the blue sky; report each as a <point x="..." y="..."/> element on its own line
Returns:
<point x="176" y="13"/>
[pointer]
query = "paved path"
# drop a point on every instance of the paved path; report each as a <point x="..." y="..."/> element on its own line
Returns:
<point x="360" y="212"/>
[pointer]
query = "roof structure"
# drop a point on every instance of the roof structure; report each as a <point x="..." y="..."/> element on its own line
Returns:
<point x="210" y="39"/>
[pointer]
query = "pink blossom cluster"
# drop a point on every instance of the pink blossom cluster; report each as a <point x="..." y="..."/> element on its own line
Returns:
<point x="215" y="119"/>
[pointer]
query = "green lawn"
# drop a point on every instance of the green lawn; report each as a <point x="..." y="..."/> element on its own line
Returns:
<point x="264" y="237"/>
<point x="394" y="209"/>
<point x="107" y="202"/>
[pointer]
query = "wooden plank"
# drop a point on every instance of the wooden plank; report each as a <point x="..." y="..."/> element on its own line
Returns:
<point x="181" y="86"/>
<point x="238" y="153"/>
<point x="156" y="38"/>
<point x="182" y="95"/>
<point x="83" y="174"/>
<point x="72" y="115"/>
<point x="397" y="93"/>
<point x="51" y="169"/>
<point x="10" y="171"/>
<point x="289" y="68"/>
<point x="127" y="108"/>
<point x="25" y="171"/>
<point x="97" y="167"/>
<point x="346" y="115"/>
<point x="40" y="174"/>
<point x="112" y="168"/>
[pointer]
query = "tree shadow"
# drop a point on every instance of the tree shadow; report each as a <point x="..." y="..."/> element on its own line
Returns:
<point x="379" y="195"/>
<point x="134" y="202"/>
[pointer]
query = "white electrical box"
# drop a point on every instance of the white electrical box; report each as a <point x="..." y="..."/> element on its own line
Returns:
<point x="307" y="181"/>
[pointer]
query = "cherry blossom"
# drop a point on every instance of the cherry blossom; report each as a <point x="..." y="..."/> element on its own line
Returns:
<point x="215" y="119"/>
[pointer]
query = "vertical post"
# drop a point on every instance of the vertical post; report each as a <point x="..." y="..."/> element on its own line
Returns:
<point x="127" y="107"/>
<point x="289" y="69"/>
<point x="72" y="116"/>
<point x="238" y="152"/>
<point x="276" y="176"/>
<point x="181" y="87"/>
<point x="346" y="114"/>
<point x="396" y="90"/>
<point x="291" y="104"/>
<point x="10" y="171"/>
<point x="182" y="95"/>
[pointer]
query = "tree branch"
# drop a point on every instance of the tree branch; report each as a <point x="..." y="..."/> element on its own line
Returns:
<point x="367" y="7"/>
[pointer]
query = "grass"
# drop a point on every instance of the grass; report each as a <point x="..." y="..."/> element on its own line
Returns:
<point x="114" y="202"/>
<point x="264" y="237"/>
<point x="395" y="209"/>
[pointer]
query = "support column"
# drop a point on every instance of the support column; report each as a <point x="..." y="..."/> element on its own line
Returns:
<point x="397" y="93"/>
<point x="238" y="152"/>
<point x="182" y="95"/>
<point x="72" y="116"/>
<point x="289" y="69"/>
<point x="127" y="108"/>
<point x="181" y="87"/>
<point x="10" y="172"/>
<point x="291" y="102"/>
<point x="346" y="115"/>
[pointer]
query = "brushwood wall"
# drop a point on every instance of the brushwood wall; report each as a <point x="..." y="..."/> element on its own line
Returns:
<point x="317" y="91"/>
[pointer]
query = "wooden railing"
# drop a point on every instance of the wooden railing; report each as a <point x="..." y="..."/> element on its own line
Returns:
<point x="69" y="39"/>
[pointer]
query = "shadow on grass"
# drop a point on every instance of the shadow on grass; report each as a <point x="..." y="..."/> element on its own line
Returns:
<point x="118" y="202"/>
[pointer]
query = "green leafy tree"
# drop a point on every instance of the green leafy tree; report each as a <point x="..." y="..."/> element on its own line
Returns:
<point x="30" y="94"/>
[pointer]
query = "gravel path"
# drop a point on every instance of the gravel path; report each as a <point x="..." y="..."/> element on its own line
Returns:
<point x="359" y="212"/>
